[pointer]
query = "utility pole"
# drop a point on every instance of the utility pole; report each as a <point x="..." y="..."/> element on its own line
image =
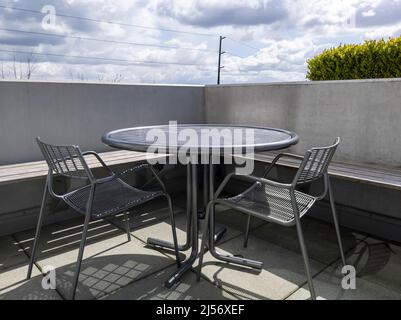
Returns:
<point x="220" y="53"/>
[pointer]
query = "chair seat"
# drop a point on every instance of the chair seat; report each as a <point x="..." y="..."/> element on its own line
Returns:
<point x="270" y="203"/>
<point x="110" y="198"/>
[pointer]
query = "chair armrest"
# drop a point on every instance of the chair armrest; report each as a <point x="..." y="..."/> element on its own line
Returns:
<point x="96" y="155"/>
<point x="133" y="169"/>
<point x="278" y="157"/>
<point x="262" y="181"/>
<point x="291" y="155"/>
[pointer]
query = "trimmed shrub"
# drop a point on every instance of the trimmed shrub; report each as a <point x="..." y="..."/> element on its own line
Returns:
<point x="372" y="59"/>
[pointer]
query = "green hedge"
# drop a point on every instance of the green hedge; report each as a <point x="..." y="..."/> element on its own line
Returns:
<point x="372" y="59"/>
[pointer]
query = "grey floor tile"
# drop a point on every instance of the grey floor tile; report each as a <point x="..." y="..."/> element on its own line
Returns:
<point x="107" y="266"/>
<point x="282" y="273"/>
<point x="116" y="269"/>
<point x="320" y="238"/>
<point x="107" y="246"/>
<point x="66" y="236"/>
<point x="236" y="219"/>
<point x="152" y="288"/>
<point x="148" y="214"/>
<point x="328" y="287"/>
<point x="377" y="267"/>
<point x="11" y="253"/>
<point x="113" y="268"/>
<point x="378" y="262"/>
<point x="162" y="230"/>
<point x="14" y="286"/>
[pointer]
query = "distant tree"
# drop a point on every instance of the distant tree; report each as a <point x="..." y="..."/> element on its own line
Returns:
<point x="23" y="70"/>
<point x="117" y="78"/>
<point x="77" y="77"/>
<point x="3" y="75"/>
<point x="30" y="67"/>
<point x="19" y="69"/>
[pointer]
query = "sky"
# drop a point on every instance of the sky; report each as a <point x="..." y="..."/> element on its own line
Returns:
<point x="177" y="41"/>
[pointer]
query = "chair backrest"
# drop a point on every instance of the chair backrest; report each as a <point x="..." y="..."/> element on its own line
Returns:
<point x="315" y="163"/>
<point x="65" y="160"/>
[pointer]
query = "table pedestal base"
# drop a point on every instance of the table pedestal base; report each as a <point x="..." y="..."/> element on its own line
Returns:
<point x="192" y="230"/>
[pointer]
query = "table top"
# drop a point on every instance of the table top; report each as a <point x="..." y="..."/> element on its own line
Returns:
<point x="200" y="137"/>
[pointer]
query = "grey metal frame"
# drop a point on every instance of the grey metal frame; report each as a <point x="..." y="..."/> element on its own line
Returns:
<point x="69" y="161"/>
<point x="165" y="244"/>
<point x="192" y="225"/>
<point x="294" y="204"/>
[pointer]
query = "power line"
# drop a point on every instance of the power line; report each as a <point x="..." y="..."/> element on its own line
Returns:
<point x="98" y="58"/>
<point x="114" y="41"/>
<point x="244" y="44"/>
<point x="247" y="73"/>
<point x="128" y="25"/>
<point x="242" y="74"/>
<point x="110" y="22"/>
<point x="105" y="40"/>
<point x="235" y="55"/>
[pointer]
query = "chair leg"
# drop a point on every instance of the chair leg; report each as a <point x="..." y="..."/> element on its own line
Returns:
<point x="83" y="242"/>
<point x="126" y="218"/>
<point x="303" y="248"/>
<point x="38" y="229"/>
<point x="175" y="241"/>
<point x="248" y="225"/>
<point x="80" y="256"/>
<point x="306" y="262"/>
<point x="204" y="237"/>
<point x="335" y="219"/>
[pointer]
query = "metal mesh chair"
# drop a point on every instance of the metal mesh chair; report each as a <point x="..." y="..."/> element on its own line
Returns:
<point x="279" y="202"/>
<point x="101" y="198"/>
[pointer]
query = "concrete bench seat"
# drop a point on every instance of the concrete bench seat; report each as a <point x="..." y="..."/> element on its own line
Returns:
<point x="38" y="169"/>
<point x="362" y="173"/>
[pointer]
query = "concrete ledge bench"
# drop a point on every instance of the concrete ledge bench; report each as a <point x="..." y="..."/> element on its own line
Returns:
<point x="38" y="169"/>
<point x="367" y="174"/>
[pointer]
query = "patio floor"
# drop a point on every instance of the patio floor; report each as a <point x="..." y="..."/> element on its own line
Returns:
<point x="116" y="269"/>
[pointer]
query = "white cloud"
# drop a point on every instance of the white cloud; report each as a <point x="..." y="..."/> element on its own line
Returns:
<point x="211" y="13"/>
<point x="288" y="32"/>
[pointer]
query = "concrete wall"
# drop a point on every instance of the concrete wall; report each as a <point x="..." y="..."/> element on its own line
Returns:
<point x="365" y="114"/>
<point x="76" y="113"/>
<point x="79" y="113"/>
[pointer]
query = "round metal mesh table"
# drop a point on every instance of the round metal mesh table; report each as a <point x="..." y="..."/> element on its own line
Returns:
<point x="140" y="138"/>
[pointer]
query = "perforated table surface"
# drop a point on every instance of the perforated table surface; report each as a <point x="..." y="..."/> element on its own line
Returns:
<point x="200" y="137"/>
